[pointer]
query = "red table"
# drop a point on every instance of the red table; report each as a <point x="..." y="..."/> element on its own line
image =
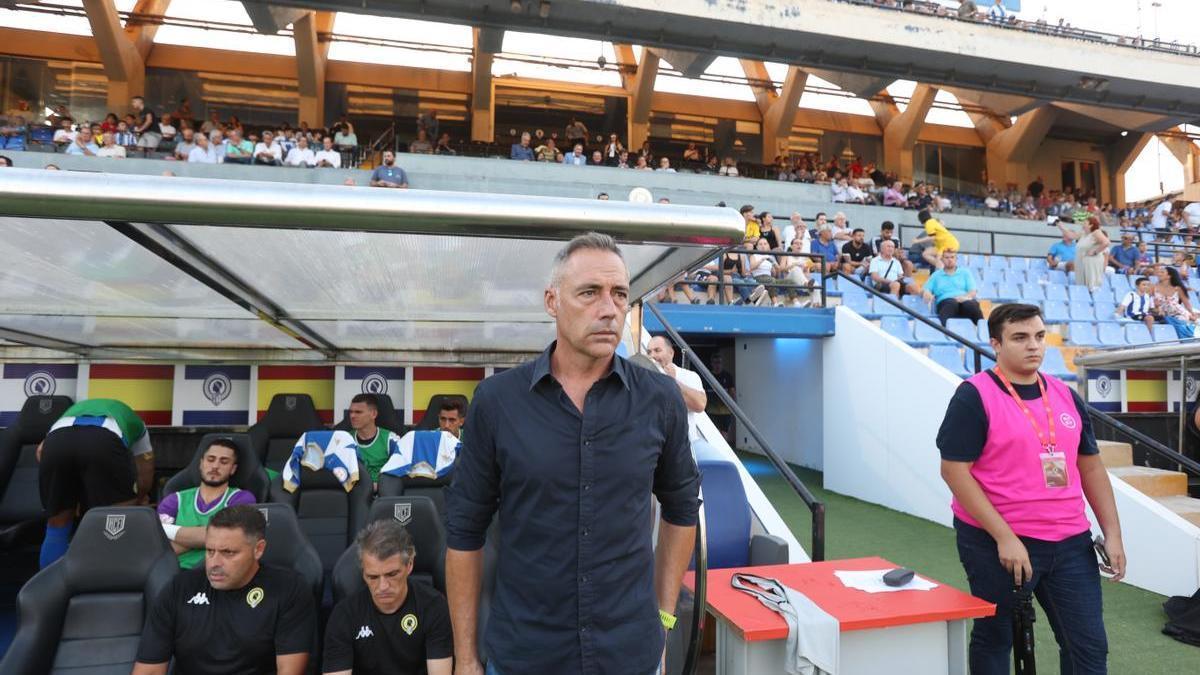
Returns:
<point x="926" y="630"/>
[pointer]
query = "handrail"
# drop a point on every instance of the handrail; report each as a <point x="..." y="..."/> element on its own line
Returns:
<point x="700" y="593"/>
<point x="1152" y="445"/>
<point x="815" y="506"/>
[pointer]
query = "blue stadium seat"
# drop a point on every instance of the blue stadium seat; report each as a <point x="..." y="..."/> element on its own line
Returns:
<point x="1055" y="365"/>
<point x="1032" y="292"/>
<point x="1194" y="283"/>
<point x="987" y="363"/>
<point x="1194" y="298"/>
<point x="964" y="328"/>
<point x="884" y="308"/>
<point x="987" y="289"/>
<point x="1055" y="311"/>
<point x="1120" y="284"/>
<point x="1164" y="333"/>
<point x="985" y="335"/>
<point x="1083" y="334"/>
<point x="928" y="335"/>
<point x="1015" y="276"/>
<point x="993" y="275"/>
<point x="917" y="304"/>
<point x="1112" y="335"/>
<point x="998" y="262"/>
<point x="1079" y="293"/>
<point x="1018" y="263"/>
<point x="1057" y="277"/>
<point x="1006" y="291"/>
<point x="1103" y="296"/>
<point x="858" y="303"/>
<point x="949" y="358"/>
<point x="1056" y="292"/>
<point x="1038" y="265"/>
<point x="898" y="327"/>
<point x="1107" y="311"/>
<point x="852" y="289"/>
<point x="1081" y="311"/>
<point x="1138" y="334"/>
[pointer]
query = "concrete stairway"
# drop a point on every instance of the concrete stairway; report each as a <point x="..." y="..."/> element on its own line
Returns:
<point x="1168" y="488"/>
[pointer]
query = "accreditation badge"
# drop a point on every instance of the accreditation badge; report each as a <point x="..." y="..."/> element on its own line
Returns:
<point x="1054" y="469"/>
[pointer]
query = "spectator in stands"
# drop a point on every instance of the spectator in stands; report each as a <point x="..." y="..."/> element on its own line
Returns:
<point x="887" y="272"/>
<point x="374" y="443"/>
<point x="301" y="155"/>
<point x="766" y="230"/>
<point x="1091" y="250"/>
<point x="97" y="454"/>
<point x="110" y="147"/>
<point x="388" y="175"/>
<point x="1023" y="523"/>
<point x="168" y="130"/>
<point x="588" y="296"/>
<point x="218" y="143"/>
<point x="443" y="145"/>
<point x="185" y="514"/>
<point x="752" y="229"/>
<point x="546" y="152"/>
<point x="5" y="162"/>
<point x="1191" y="214"/>
<point x="941" y="238"/>
<point x="183" y="148"/>
<point x="691" y="388"/>
<point x="576" y="132"/>
<point x="392" y="624"/>
<point x="794" y="270"/>
<point x="199" y="620"/>
<point x="967" y="10"/>
<point x="575" y="157"/>
<point x="597" y="159"/>
<point x="147" y="128"/>
<point x="733" y="275"/>
<point x="203" y="152"/>
<point x="1062" y="253"/>
<point x="711" y="166"/>
<point x="825" y="246"/>
<point x="521" y="150"/>
<point x="762" y="268"/>
<point x="894" y="195"/>
<point x="268" y="151"/>
<point x="796" y="228"/>
<point x="951" y="290"/>
<point x="623" y="160"/>
<point x="51" y="167"/>
<point x="645" y="151"/>
<point x="328" y="157"/>
<point x="728" y="168"/>
<point x="1146" y="261"/>
<point x="422" y="145"/>
<point x="839" y="190"/>
<point x="238" y="150"/>
<point x="642" y="164"/>
<point x="841" y="228"/>
<point x="345" y="138"/>
<point x="1171" y="304"/>
<point x="1036" y="187"/>
<point x="603" y="196"/>
<point x="717" y="411"/>
<point x="691" y="153"/>
<point x="997" y="12"/>
<point x="664" y="165"/>
<point x="1138" y="303"/>
<point x="613" y="150"/>
<point x="1160" y="216"/>
<point x="428" y="121"/>
<point x="65" y="133"/>
<point x="856" y="254"/>
<point x="83" y="144"/>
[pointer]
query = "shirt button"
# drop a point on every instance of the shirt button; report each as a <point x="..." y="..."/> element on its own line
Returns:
<point x="586" y="531"/>
<point x="587" y="486"/>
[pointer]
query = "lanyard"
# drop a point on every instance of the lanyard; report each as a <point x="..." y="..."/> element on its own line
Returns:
<point x="1053" y="444"/>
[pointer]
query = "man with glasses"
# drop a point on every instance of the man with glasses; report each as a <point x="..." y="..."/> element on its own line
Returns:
<point x="185" y="514"/>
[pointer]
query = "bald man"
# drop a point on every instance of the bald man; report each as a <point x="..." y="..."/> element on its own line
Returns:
<point x="694" y="398"/>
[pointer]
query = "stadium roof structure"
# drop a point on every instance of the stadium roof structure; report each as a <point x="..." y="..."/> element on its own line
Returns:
<point x="182" y="269"/>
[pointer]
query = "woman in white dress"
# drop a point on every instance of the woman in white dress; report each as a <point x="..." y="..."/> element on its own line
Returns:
<point x="1090" y="256"/>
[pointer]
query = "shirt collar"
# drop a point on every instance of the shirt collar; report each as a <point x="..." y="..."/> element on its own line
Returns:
<point x="541" y="368"/>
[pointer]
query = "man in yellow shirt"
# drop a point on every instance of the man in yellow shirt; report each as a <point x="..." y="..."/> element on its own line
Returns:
<point x="939" y="235"/>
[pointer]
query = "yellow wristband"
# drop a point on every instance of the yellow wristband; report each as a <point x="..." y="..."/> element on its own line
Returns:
<point x="668" y="619"/>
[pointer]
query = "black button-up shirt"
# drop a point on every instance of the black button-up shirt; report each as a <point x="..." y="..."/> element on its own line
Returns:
<point x="574" y="586"/>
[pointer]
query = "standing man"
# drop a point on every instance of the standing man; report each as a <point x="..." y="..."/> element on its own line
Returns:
<point x="148" y="128"/>
<point x="1019" y="455"/>
<point x="97" y="454"/>
<point x="234" y="615"/>
<point x="951" y="291"/>
<point x="185" y="514"/>
<point x="391" y="626"/>
<point x="569" y="450"/>
<point x="690" y="385"/>
<point x="374" y="443"/>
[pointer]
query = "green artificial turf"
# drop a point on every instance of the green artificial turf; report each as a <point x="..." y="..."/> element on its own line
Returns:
<point x="855" y="529"/>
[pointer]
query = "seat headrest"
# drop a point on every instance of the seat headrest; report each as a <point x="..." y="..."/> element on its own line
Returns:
<point x="285" y="541"/>
<point x="420" y="517"/>
<point x="387" y="418"/>
<point x="37" y="416"/>
<point x="114" y="550"/>
<point x="291" y="415"/>
<point x="430" y="420"/>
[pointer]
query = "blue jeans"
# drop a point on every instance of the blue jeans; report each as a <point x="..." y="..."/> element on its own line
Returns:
<point x="1183" y="329"/>
<point x="1066" y="583"/>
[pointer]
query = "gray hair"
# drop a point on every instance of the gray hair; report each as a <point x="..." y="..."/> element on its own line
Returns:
<point x="383" y="539"/>
<point x="593" y="241"/>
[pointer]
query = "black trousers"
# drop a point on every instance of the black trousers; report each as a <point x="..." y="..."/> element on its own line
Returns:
<point x="951" y="309"/>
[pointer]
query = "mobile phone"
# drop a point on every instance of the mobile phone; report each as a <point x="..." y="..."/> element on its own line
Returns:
<point x="1098" y="544"/>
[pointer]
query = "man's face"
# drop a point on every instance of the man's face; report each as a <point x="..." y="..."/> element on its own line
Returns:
<point x="217" y="465"/>
<point x="387" y="579"/>
<point x="1023" y="346"/>
<point x="389" y="158"/>
<point x="590" y="302"/>
<point x="202" y="141"/>
<point x="660" y="351"/>
<point x="824" y="235"/>
<point x="188" y="134"/>
<point x="839" y="220"/>
<point x="858" y="237"/>
<point x="1126" y="240"/>
<point x="362" y="416"/>
<point x="664" y="163"/>
<point x="302" y="143"/>
<point x="597" y="157"/>
<point x="85" y="135"/>
<point x="718" y="364"/>
<point x="109" y="139"/>
<point x="450" y="420"/>
<point x="887" y="249"/>
<point x="886" y="233"/>
<point x="268" y="137"/>
<point x="525" y="140"/>
<point x="797" y="221"/>
<point x="235" y="136"/>
<point x="641" y="162"/>
<point x="137" y="104"/>
<point x="578" y="148"/>
<point x="950" y="260"/>
<point x="328" y="143"/>
<point x="230" y="557"/>
<point x="820" y="220"/>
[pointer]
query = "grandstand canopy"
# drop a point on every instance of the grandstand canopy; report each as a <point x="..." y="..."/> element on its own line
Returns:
<point x="113" y="266"/>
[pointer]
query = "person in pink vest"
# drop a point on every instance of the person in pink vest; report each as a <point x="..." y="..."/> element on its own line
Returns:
<point x="1020" y="458"/>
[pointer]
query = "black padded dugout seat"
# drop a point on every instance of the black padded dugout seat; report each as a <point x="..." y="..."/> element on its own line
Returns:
<point x="387" y="418"/>
<point x="328" y="516"/>
<point x="430" y="420"/>
<point x="287" y="417"/>
<point x="287" y="547"/>
<point x="249" y="476"/>
<point x="21" y="513"/>
<point x="84" y="613"/>
<point x="416" y="486"/>
<point x="419" y="516"/>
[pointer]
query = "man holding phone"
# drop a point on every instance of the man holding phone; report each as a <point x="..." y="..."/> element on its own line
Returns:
<point x="1019" y="455"/>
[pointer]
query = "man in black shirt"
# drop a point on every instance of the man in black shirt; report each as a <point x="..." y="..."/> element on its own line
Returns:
<point x="717" y="411"/>
<point x="393" y="625"/>
<point x="887" y="231"/>
<point x="234" y="616"/>
<point x="856" y="254"/>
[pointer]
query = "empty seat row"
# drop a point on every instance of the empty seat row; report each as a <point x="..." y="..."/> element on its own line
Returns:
<point x="921" y="334"/>
<point x="962" y="362"/>
<point x="1117" y="334"/>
